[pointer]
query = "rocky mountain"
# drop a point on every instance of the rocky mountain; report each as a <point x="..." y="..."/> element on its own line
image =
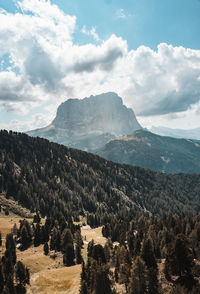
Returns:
<point x="177" y="133"/>
<point x="90" y="123"/>
<point x="155" y="152"/>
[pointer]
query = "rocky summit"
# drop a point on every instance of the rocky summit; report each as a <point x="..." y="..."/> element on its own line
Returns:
<point x="90" y="123"/>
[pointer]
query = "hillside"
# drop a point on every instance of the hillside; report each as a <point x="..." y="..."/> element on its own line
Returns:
<point x="144" y="215"/>
<point x="155" y="152"/>
<point x="51" y="178"/>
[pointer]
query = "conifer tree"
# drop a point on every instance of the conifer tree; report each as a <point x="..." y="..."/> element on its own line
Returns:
<point x="37" y="235"/>
<point x="1" y="277"/>
<point x="24" y="237"/>
<point x="0" y="239"/>
<point x="9" y="285"/>
<point x="46" y="248"/>
<point x="11" y="247"/>
<point x="138" y="278"/>
<point x="90" y="248"/>
<point x="179" y="259"/>
<point x="20" y="273"/>
<point x="83" y="288"/>
<point x="66" y="239"/>
<point x="147" y="254"/>
<point x="102" y="283"/>
<point x="68" y="255"/>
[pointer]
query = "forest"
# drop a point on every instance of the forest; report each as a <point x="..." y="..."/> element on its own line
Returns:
<point x="151" y="220"/>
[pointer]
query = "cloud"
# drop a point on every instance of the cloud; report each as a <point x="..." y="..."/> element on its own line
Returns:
<point x="12" y="87"/>
<point x="103" y="57"/>
<point x="46" y="66"/>
<point x="164" y="81"/>
<point x="41" y="69"/>
<point x="91" y="32"/>
<point x="38" y="41"/>
<point x="120" y="13"/>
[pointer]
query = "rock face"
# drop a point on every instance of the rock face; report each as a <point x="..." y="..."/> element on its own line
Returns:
<point x="90" y="123"/>
<point x="155" y="152"/>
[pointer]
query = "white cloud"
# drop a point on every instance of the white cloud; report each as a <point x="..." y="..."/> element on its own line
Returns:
<point x="47" y="67"/>
<point x="91" y="32"/>
<point x="121" y="14"/>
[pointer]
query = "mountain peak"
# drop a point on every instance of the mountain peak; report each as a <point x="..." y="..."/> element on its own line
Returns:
<point x="90" y="122"/>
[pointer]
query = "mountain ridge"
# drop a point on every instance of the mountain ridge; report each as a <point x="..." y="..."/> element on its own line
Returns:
<point x="193" y="134"/>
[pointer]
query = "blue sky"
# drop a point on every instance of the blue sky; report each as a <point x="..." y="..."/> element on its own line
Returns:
<point x="144" y="22"/>
<point x="152" y="45"/>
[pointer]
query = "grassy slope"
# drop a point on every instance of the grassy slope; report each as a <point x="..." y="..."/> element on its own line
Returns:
<point x="48" y="275"/>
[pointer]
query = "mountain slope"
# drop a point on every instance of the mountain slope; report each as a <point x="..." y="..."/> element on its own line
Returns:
<point x="51" y="178"/>
<point x="158" y="153"/>
<point x="90" y="123"/>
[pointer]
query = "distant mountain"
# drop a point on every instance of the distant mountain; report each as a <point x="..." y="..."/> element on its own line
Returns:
<point x="177" y="133"/>
<point x="155" y="152"/>
<point x="90" y="123"/>
<point x="53" y="179"/>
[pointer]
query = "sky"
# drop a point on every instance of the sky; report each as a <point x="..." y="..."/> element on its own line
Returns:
<point x="147" y="51"/>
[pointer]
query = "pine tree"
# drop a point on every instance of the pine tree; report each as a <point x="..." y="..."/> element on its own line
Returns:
<point x="90" y="248"/>
<point x="66" y="239"/>
<point x="53" y="239"/>
<point x="147" y="254"/>
<point x="68" y="256"/>
<point x="9" y="285"/>
<point x="179" y="259"/>
<point x="1" y="277"/>
<point x="98" y="253"/>
<point x="37" y="235"/>
<point x="20" y="273"/>
<point x="24" y="237"/>
<point x="11" y="247"/>
<point x="46" y="248"/>
<point x="138" y="278"/>
<point x="102" y="283"/>
<point x="78" y="254"/>
<point x="83" y="288"/>
<point x="8" y="267"/>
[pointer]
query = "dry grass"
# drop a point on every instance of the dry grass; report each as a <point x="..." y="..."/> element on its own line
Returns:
<point x="6" y="224"/>
<point x="88" y="234"/>
<point x="58" y="281"/>
<point x="36" y="261"/>
<point x="48" y="275"/>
